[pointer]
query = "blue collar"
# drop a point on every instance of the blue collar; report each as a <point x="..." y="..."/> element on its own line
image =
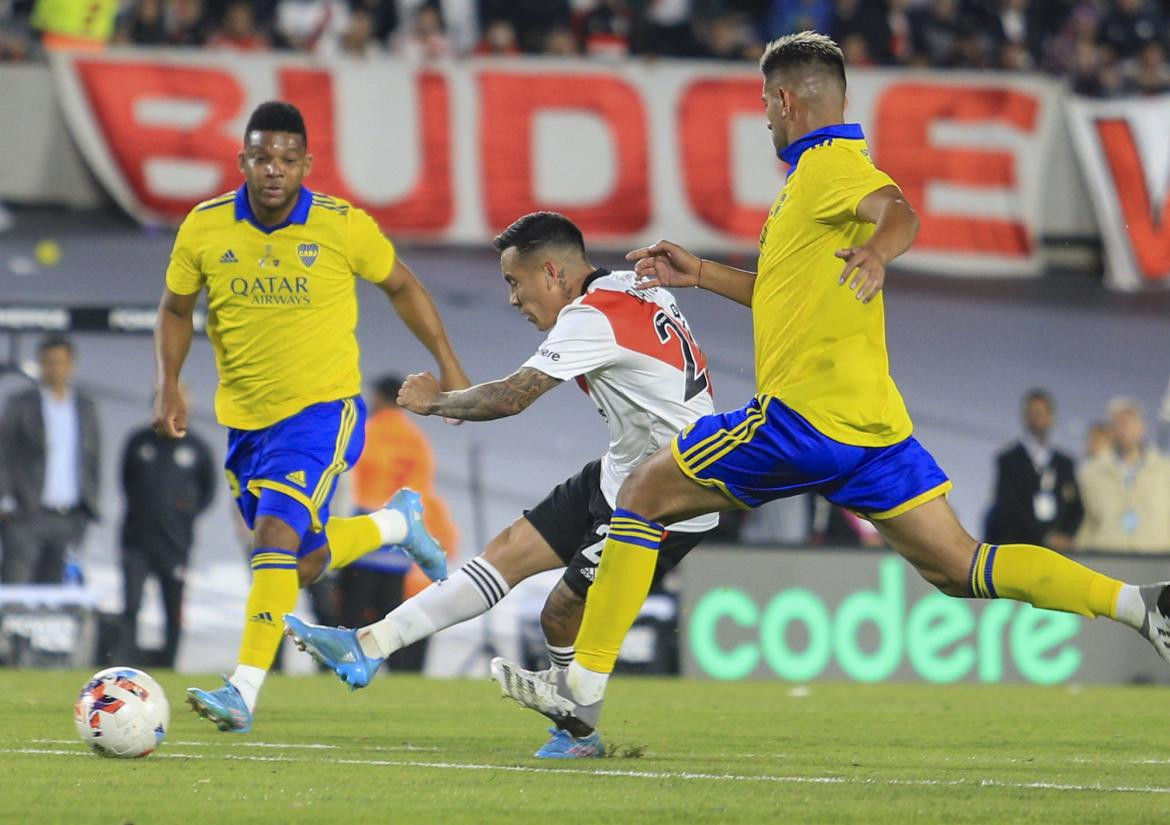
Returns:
<point x="299" y="213"/>
<point x="791" y="153"/>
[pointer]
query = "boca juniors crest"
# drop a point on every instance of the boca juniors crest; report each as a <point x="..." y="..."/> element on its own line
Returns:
<point x="307" y="253"/>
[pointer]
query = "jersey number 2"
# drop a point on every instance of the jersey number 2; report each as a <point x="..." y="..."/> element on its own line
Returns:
<point x="696" y="378"/>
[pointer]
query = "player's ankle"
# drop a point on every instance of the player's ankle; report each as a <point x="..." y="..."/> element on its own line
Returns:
<point x="392" y="525"/>
<point x="587" y="686"/>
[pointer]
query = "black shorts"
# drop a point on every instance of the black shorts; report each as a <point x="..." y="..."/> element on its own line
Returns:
<point x="574" y="519"/>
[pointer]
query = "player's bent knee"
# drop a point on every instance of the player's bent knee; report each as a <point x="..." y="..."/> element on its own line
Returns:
<point x="270" y="531"/>
<point x="310" y="567"/>
<point x="948" y="580"/>
<point x="641" y="493"/>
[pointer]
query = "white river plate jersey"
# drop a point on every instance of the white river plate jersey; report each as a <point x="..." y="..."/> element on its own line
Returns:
<point x="632" y="351"/>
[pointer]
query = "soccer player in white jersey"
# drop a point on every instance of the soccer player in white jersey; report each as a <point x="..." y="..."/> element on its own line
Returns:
<point x="633" y="353"/>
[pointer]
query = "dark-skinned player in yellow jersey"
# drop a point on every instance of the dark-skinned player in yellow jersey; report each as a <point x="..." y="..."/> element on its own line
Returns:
<point x="280" y="265"/>
<point x="826" y="418"/>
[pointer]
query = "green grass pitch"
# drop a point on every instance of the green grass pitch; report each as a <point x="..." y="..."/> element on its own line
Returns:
<point x="411" y="750"/>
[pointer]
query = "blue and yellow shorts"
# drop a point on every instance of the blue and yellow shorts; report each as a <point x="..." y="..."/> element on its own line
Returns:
<point x="290" y="470"/>
<point x="765" y="451"/>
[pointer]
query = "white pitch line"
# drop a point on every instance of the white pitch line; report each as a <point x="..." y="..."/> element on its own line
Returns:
<point x="276" y="745"/>
<point x="656" y="775"/>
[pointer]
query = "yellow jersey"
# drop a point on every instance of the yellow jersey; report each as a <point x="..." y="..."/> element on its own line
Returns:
<point x="819" y="349"/>
<point x="281" y="300"/>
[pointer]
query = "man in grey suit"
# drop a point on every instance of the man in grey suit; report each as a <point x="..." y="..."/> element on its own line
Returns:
<point x="49" y="465"/>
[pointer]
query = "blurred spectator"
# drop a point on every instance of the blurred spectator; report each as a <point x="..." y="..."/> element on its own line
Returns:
<point x="424" y="37"/>
<point x="561" y="42"/>
<point x="787" y="16"/>
<point x="238" y="31"/>
<point x="315" y="26"/>
<point x="1036" y="496"/>
<point x="728" y="37"/>
<point x="1018" y="27"/>
<point x="499" y="40"/>
<point x="532" y="19"/>
<point x="855" y="48"/>
<point x="1098" y="440"/>
<point x="187" y="23"/>
<point x="936" y="34"/>
<point x="359" y="41"/>
<point x="1077" y="29"/>
<point x="899" y="45"/>
<point x="1129" y="25"/>
<point x="49" y="470"/>
<point x="1127" y="490"/>
<point x="665" y="29"/>
<point x="383" y="17"/>
<point x="861" y="29"/>
<point x="145" y="25"/>
<point x="606" y="29"/>
<point x="1149" y="73"/>
<point x="396" y="455"/>
<point x="167" y="482"/>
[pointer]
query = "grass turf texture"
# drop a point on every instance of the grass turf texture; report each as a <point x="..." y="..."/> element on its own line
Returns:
<point x="412" y="750"/>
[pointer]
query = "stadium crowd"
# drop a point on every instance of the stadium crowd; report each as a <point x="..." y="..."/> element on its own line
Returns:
<point x="1103" y="47"/>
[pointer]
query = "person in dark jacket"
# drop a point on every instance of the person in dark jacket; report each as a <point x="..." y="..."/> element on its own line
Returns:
<point x="1036" y="495"/>
<point x="49" y="470"/>
<point x="167" y="483"/>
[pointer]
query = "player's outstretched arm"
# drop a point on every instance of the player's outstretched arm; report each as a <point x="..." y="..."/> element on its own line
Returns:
<point x="173" y="331"/>
<point x="668" y="264"/>
<point x="897" y="225"/>
<point x="422" y="394"/>
<point x="414" y="306"/>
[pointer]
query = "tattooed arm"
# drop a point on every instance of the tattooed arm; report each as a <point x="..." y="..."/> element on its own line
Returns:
<point x="421" y="394"/>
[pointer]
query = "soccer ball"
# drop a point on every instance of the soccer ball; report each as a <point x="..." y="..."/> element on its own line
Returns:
<point x="122" y="712"/>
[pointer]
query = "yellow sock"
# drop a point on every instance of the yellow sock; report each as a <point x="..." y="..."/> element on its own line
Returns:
<point x="1042" y="578"/>
<point x="623" y="580"/>
<point x="350" y="539"/>
<point x="273" y="593"/>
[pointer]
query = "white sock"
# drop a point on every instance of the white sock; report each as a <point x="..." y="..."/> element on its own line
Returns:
<point x="1131" y="610"/>
<point x="559" y="656"/>
<point x="391" y="524"/>
<point x="247" y="680"/>
<point x="472" y="590"/>
<point x="587" y="686"/>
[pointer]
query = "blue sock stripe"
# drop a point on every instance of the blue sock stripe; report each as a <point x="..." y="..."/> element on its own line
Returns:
<point x="276" y="550"/>
<point x="619" y="513"/>
<point x="972" y="576"/>
<point x="292" y="566"/>
<point x="650" y="544"/>
<point x="987" y="565"/>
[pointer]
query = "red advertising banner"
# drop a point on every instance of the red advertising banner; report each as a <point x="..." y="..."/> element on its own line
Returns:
<point x="1124" y="150"/>
<point x="631" y="151"/>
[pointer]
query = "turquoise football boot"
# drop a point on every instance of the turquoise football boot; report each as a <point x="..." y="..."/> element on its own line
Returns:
<point x="419" y="544"/>
<point x="563" y="745"/>
<point x="334" y="647"/>
<point x="224" y="707"/>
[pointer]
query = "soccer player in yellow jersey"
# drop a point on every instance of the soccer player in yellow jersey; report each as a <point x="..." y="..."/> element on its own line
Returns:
<point x="826" y="417"/>
<point x="279" y="264"/>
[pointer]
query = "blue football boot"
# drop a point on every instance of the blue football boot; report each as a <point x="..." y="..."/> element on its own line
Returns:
<point x="563" y="745"/>
<point x="419" y="544"/>
<point x="334" y="647"/>
<point x="224" y="707"/>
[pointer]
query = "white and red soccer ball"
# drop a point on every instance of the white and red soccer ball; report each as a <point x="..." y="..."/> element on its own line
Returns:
<point x="122" y="712"/>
